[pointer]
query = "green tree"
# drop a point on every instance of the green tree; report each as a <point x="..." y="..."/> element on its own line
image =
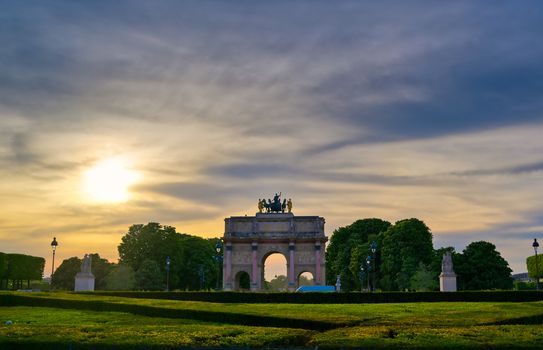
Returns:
<point x="22" y="267"/>
<point x="149" y="242"/>
<point x="277" y="284"/>
<point x="304" y="281"/>
<point x="245" y="281"/>
<point x="424" y="279"/>
<point x="192" y="259"/>
<point x="481" y="266"/>
<point x="280" y="284"/>
<point x="64" y="275"/>
<point x="530" y="265"/>
<point x="346" y="242"/>
<point x="120" y="277"/>
<point x="100" y="268"/>
<point x="404" y="246"/>
<point x="149" y="276"/>
<point x="3" y="270"/>
<point x="359" y="256"/>
<point x="198" y="257"/>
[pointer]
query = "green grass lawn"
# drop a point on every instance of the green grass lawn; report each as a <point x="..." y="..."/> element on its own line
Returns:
<point x="162" y="324"/>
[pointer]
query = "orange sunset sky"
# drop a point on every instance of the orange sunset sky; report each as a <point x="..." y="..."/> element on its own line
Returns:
<point x="184" y="113"/>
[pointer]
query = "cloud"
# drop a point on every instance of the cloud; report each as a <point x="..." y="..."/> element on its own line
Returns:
<point x="517" y="169"/>
<point x="354" y="110"/>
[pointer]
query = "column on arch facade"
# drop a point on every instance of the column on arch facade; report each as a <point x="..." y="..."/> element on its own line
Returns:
<point x="291" y="263"/>
<point x="254" y="268"/>
<point x="227" y="268"/>
<point x="318" y="272"/>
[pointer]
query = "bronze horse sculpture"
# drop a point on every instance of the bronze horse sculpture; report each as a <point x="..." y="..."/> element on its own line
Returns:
<point x="274" y="206"/>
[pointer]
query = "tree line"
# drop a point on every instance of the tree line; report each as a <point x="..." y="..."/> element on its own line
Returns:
<point x="15" y="269"/>
<point x="405" y="259"/>
<point x="143" y="252"/>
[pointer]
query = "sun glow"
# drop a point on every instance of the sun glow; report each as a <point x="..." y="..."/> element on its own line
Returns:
<point x="109" y="181"/>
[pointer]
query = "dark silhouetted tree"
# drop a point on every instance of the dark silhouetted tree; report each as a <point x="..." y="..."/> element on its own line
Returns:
<point x="149" y="242"/>
<point x="100" y="268"/>
<point x="23" y="268"/>
<point x="3" y="270"/>
<point x="244" y="281"/>
<point x="192" y="258"/>
<point x="64" y="276"/>
<point x="348" y="242"/>
<point x="404" y="246"/>
<point x="149" y="276"/>
<point x="198" y="259"/>
<point x="480" y="266"/>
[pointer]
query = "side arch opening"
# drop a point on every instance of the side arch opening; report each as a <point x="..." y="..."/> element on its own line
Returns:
<point x="305" y="278"/>
<point x="242" y="281"/>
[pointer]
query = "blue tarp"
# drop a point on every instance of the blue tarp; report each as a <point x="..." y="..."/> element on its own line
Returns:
<point x="316" y="289"/>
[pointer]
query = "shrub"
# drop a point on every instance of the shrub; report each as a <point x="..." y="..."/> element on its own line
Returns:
<point x="338" y="298"/>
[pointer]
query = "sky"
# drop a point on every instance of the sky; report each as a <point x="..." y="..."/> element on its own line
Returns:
<point x="187" y="112"/>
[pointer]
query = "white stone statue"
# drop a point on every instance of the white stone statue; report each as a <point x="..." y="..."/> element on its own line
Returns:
<point x="84" y="280"/>
<point x="86" y="264"/>
<point x="447" y="264"/>
<point x="447" y="279"/>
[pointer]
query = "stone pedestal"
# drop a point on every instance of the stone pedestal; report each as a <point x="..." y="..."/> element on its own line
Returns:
<point x="447" y="282"/>
<point x="84" y="282"/>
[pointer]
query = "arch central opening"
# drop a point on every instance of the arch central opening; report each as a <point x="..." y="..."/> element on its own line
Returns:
<point x="274" y="272"/>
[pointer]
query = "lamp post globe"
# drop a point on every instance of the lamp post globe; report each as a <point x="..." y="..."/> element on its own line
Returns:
<point x="54" y="245"/>
<point x="535" y="245"/>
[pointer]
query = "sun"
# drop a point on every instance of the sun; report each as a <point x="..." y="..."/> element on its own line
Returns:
<point x="109" y="181"/>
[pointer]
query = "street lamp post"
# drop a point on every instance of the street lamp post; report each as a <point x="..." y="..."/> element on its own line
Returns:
<point x="536" y="245"/>
<point x="168" y="262"/>
<point x="54" y="244"/>
<point x="361" y="275"/>
<point x="373" y="248"/>
<point x="218" y="248"/>
<point x="368" y="267"/>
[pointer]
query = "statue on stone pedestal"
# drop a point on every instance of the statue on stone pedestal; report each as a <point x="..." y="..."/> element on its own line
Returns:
<point x="447" y="278"/>
<point x="84" y="280"/>
<point x="275" y="205"/>
<point x="289" y="205"/>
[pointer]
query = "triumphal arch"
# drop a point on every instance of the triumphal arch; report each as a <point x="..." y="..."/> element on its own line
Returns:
<point x="249" y="240"/>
